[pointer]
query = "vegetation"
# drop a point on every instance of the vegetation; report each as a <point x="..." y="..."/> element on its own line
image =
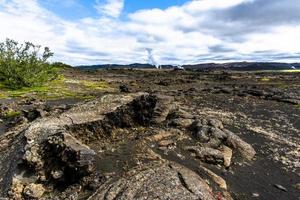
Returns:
<point x="265" y="79"/>
<point x="11" y="114"/>
<point x="277" y="71"/>
<point x="60" y="65"/>
<point x="94" y="85"/>
<point x="61" y="87"/>
<point x="24" y="65"/>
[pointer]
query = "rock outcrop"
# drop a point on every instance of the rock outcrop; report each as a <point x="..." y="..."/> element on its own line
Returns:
<point x="61" y="156"/>
<point x="156" y="181"/>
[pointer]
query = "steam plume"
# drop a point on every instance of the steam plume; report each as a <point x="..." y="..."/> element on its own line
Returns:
<point x="151" y="59"/>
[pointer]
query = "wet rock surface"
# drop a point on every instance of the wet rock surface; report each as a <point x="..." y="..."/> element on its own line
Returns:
<point x="183" y="138"/>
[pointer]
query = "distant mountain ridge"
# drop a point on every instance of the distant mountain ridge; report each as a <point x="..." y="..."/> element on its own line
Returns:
<point x="207" y="66"/>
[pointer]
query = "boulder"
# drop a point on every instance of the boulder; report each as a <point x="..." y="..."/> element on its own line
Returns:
<point x="206" y="154"/>
<point x="217" y="179"/>
<point x="215" y="123"/>
<point x="124" y="89"/>
<point x="71" y="154"/>
<point x="234" y="141"/>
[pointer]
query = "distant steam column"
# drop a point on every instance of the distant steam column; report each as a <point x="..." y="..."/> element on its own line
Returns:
<point x="151" y="59"/>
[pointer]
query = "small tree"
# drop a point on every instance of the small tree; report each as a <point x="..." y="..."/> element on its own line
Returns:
<point x="24" y="65"/>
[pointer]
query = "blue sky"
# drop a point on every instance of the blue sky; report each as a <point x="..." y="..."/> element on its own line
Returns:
<point x="177" y="31"/>
<point x="134" y="5"/>
<point x="76" y="9"/>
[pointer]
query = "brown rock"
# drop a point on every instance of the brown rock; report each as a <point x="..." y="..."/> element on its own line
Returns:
<point x="161" y="135"/>
<point x="243" y="147"/>
<point x="181" y="122"/>
<point x="215" y="123"/>
<point x="227" y="152"/>
<point x="166" y="143"/>
<point x="206" y="154"/>
<point x="217" y="179"/>
<point x="34" y="191"/>
<point x="16" y="189"/>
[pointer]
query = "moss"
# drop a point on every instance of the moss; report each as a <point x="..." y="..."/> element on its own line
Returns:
<point x="53" y="89"/>
<point x="94" y="85"/>
<point x="291" y="70"/>
<point x="276" y="71"/>
<point x="265" y="79"/>
<point x="11" y="114"/>
<point x="298" y="106"/>
<point x="59" y="88"/>
<point x="3" y="95"/>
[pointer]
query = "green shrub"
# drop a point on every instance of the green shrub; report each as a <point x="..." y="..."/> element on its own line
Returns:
<point x="24" y="65"/>
<point x="60" y="65"/>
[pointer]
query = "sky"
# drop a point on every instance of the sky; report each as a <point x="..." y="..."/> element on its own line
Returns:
<point x="82" y="32"/>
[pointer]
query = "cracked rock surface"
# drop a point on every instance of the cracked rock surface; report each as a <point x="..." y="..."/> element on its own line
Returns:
<point x="61" y="152"/>
<point x="185" y="142"/>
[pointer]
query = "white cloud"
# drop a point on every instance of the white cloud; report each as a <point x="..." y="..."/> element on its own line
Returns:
<point x="111" y="8"/>
<point x="197" y="6"/>
<point x="281" y="38"/>
<point x="189" y="33"/>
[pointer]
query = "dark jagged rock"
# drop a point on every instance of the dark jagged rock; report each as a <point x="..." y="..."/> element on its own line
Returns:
<point x="70" y="157"/>
<point x="132" y="134"/>
<point x="124" y="89"/>
<point x="157" y="180"/>
<point x="53" y="152"/>
<point x="211" y="133"/>
<point x="206" y="154"/>
<point x="60" y="153"/>
<point x="47" y="151"/>
<point x="33" y="114"/>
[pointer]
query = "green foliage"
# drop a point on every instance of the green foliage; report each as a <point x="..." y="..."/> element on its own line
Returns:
<point x="59" y="88"/>
<point x="11" y="114"/>
<point x="24" y="65"/>
<point x="60" y="65"/>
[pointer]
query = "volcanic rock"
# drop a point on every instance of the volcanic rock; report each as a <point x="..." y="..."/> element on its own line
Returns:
<point x="34" y="191"/>
<point x="158" y="180"/>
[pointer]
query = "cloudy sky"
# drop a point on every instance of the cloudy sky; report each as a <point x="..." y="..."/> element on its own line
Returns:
<point x="178" y="31"/>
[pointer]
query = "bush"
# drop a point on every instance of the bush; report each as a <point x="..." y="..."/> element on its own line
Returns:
<point x="60" y="65"/>
<point x="24" y="65"/>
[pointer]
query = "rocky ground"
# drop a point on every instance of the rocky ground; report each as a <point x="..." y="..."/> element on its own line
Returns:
<point x="156" y="135"/>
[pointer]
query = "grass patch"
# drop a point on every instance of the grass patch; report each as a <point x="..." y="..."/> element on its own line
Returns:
<point x="59" y="88"/>
<point x="94" y="85"/>
<point x="2" y="95"/>
<point x="265" y="79"/>
<point x="278" y="71"/>
<point x="291" y="70"/>
<point x="51" y="90"/>
<point x="11" y="114"/>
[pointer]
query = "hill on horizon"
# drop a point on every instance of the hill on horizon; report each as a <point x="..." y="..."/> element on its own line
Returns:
<point x="247" y="66"/>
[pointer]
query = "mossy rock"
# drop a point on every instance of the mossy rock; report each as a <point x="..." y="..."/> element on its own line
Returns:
<point x="11" y="114"/>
